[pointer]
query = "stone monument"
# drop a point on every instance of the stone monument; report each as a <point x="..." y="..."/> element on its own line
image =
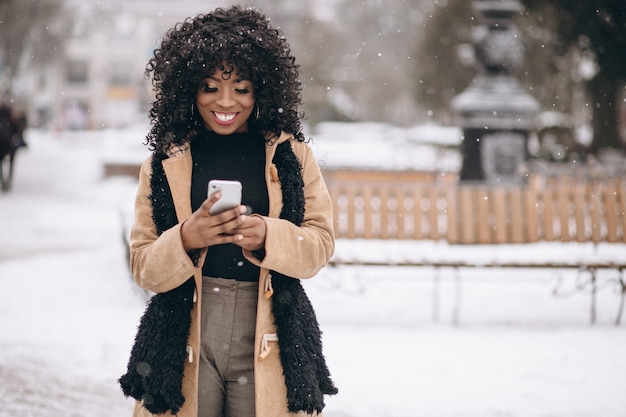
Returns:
<point x="494" y="112"/>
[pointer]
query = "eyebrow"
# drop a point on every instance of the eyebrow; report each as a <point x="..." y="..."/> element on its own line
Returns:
<point x="237" y="80"/>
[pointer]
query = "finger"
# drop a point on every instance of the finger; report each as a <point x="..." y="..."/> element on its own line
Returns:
<point x="230" y="215"/>
<point x="209" y="202"/>
<point x="245" y="222"/>
<point x="230" y="226"/>
<point x="251" y="222"/>
<point x="250" y="230"/>
<point x="251" y="243"/>
<point x="228" y="238"/>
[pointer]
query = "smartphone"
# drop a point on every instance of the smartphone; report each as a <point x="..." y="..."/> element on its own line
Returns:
<point x="231" y="195"/>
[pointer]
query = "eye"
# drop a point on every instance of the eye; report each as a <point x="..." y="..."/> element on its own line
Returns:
<point x="242" y="90"/>
<point x="208" y="89"/>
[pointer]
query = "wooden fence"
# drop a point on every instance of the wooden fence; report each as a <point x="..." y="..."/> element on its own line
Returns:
<point x="404" y="205"/>
<point x="434" y="206"/>
<point x="417" y="206"/>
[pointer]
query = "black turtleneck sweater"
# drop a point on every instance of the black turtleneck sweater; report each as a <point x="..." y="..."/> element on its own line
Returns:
<point x="240" y="156"/>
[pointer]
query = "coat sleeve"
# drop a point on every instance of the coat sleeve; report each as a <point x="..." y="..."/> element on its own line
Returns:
<point x="158" y="263"/>
<point x="300" y="252"/>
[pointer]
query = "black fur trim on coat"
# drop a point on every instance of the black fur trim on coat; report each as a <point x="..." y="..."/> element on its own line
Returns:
<point x="163" y="335"/>
<point x="299" y="337"/>
<point x="157" y="360"/>
<point x="154" y="374"/>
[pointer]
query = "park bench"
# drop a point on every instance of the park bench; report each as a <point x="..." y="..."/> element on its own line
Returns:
<point x="417" y="219"/>
<point x="428" y="219"/>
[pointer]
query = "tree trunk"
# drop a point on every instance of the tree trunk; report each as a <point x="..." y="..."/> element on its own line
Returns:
<point x="605" y="93"/>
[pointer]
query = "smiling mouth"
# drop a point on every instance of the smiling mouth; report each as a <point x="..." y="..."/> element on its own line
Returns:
<point x="225" y="118"/>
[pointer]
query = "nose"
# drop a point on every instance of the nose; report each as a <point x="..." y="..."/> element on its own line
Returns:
<point x="225" y="99"/>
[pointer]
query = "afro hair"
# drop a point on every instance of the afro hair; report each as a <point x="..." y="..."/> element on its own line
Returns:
<point x="193" y="49"/>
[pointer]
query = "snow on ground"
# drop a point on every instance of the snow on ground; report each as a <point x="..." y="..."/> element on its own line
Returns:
<point x="521" y="345"/>
<point x="379" y="145"/>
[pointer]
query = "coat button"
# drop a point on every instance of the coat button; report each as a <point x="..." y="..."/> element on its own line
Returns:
<point x="233" y="287"/>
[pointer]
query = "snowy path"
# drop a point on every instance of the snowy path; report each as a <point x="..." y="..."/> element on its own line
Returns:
<point x="68" y="313"/>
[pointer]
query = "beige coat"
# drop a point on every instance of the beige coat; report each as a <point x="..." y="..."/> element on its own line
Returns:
<point x="159" y="263"/>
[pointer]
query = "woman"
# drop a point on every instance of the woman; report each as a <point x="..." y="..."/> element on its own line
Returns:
<point x="230" y="331"/>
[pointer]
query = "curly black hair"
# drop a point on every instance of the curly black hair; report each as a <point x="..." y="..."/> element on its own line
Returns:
<point x="193" y="49"/>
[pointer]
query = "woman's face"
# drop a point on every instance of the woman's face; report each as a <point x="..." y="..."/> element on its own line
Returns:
<point x="225" y="101"/>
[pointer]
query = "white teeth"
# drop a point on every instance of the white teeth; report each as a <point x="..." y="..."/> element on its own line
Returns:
<point x="225" y="117"/>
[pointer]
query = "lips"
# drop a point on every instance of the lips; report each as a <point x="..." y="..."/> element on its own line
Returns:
<point x="225" y="118"/>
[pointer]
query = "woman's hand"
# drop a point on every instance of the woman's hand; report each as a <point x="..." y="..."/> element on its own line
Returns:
<point x="202" y="229"/>
<point x="253" y="230"/>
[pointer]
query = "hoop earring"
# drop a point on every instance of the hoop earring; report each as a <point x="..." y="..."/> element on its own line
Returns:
<point x="194" y="118"/>
<point x="257" y="112"/>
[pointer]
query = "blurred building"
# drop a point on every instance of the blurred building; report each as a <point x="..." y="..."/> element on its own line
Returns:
<point x="99" y="81"/>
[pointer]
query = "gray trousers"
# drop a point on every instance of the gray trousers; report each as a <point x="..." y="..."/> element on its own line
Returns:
<point x="226" y="376"/>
